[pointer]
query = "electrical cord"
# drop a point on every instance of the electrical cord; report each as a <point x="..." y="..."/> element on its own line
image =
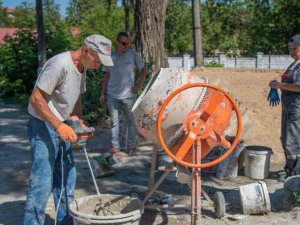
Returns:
<point x="62" y="181"/>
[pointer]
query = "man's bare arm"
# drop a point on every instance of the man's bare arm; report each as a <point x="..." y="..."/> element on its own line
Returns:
<point x="38" y="101"/>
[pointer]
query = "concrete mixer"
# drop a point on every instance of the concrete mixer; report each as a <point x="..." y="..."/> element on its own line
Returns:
<point x="187" y="117"/>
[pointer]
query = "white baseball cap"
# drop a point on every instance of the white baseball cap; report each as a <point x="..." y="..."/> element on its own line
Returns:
<point x="295" y="40"/>
<point x="102" y="46"/>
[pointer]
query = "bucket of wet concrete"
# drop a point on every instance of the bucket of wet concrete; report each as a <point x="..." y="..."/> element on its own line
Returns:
<point x="255" y="198"/>
<point x="257" y="161"/>
<point x="113" y="209"/>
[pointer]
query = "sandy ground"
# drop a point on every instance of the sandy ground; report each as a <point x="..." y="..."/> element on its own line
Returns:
<point x="261" y="126"/>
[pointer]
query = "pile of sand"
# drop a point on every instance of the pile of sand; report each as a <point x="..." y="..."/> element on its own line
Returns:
<point x="249" y="88"/>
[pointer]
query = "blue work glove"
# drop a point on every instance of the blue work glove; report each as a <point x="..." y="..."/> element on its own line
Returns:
<point x="273" y="96"/>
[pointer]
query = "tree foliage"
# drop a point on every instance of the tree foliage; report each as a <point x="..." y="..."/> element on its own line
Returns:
<point x="100" y="17"/>
<point x="250" y="26"/>
<point x="178" y="35"/>
<point x="4" y="18"/>
<point x="18" y="56"/>
<point x="24" y="16"/>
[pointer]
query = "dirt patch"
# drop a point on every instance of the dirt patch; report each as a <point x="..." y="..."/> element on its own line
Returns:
<point x="249" y="88"/>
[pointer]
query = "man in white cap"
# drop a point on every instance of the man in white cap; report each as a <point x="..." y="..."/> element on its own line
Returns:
<point x="55" y="98"/>
<point x="290" y="118"/>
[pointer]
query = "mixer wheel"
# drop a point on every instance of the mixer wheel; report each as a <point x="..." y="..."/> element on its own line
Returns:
<point x="219" y="204"/>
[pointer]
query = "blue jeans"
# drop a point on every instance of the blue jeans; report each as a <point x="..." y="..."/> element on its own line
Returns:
<point x="114" y="107"/>
<point x="46" y="173"/>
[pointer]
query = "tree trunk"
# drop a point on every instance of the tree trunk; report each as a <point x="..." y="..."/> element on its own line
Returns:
<point x="150" y="19"/>
<point x="126" y="5"/>
<point x="41" y="33"/>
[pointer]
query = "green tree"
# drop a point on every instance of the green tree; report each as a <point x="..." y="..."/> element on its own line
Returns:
<point x="103" y="18"/>
<point x="271" y="24"/>
<point x="79" y="9"/>
<point x="178" y="36"/>
<point x="25" y="16"/>
<point x="223" y="23"/>
<point x="285" y="15"/>
<point x="18" y="63"/>
<point x="52" y="11"/>
<point x="18" y="56"/>
<point x="4" y="20"/>
<point x="260" y="24"/>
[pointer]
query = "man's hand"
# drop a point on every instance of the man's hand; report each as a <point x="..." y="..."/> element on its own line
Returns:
<point x="135" y="89"/>
<point x="84" y="127"/>
<point x="102" y="99"/>
<point x="274" y="84"/>
<point x="66" y="133"/>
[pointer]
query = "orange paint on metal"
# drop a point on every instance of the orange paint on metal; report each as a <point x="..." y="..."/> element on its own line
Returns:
<point x="212" y="106"/>
<point x="206" y="123"/>
<point x="186" y="145"/>
<point x="178" y="98"/>
<point x="165" y="117"/>
<point x="154" y="111"/>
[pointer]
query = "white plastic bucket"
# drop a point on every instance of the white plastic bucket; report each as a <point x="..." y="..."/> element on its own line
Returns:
<point x="126" y="210"/>
<point x="255" y="198"/>
<point x="257" y="162"/>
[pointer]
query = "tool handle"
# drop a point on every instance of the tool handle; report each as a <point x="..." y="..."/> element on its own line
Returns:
<point x="74" y="122"/>
<point x="92" y="173"/>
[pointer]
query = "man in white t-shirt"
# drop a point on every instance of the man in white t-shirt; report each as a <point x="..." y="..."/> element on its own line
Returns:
<point x="55" y="98"/>
<point x="119" y="84"/>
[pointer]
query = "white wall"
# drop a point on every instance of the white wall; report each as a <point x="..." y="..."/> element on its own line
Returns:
<point x="261" y="61"/>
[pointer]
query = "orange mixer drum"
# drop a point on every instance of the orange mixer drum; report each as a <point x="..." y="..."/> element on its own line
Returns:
<point x="217" y="122"/>
<point x="173" y="128"/>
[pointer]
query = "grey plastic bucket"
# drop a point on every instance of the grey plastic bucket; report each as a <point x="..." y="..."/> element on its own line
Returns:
<point x="126" y="210"/>
<point x="257" y="161"/>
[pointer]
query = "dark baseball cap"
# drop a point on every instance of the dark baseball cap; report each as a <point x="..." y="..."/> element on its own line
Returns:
<point x="295" y="40"/>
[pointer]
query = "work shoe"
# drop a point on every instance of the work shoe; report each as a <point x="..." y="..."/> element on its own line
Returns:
<point x="114" y="150"/>
<point x="132" y="152"/>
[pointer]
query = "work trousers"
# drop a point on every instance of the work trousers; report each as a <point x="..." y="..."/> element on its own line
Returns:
<point x="290" y="139"/>
<point x="50" y="156"/>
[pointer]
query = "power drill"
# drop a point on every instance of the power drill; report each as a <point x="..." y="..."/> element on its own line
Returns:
<point x="82" y="135"/>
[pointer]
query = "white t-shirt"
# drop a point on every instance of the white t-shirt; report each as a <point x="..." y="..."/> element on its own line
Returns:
<point x="121" y="78"/>
<point x="61" y="80"/>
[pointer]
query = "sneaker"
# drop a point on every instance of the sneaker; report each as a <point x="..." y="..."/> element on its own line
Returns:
<point x="132" y="152"/>
<point x="114" y="150"/>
